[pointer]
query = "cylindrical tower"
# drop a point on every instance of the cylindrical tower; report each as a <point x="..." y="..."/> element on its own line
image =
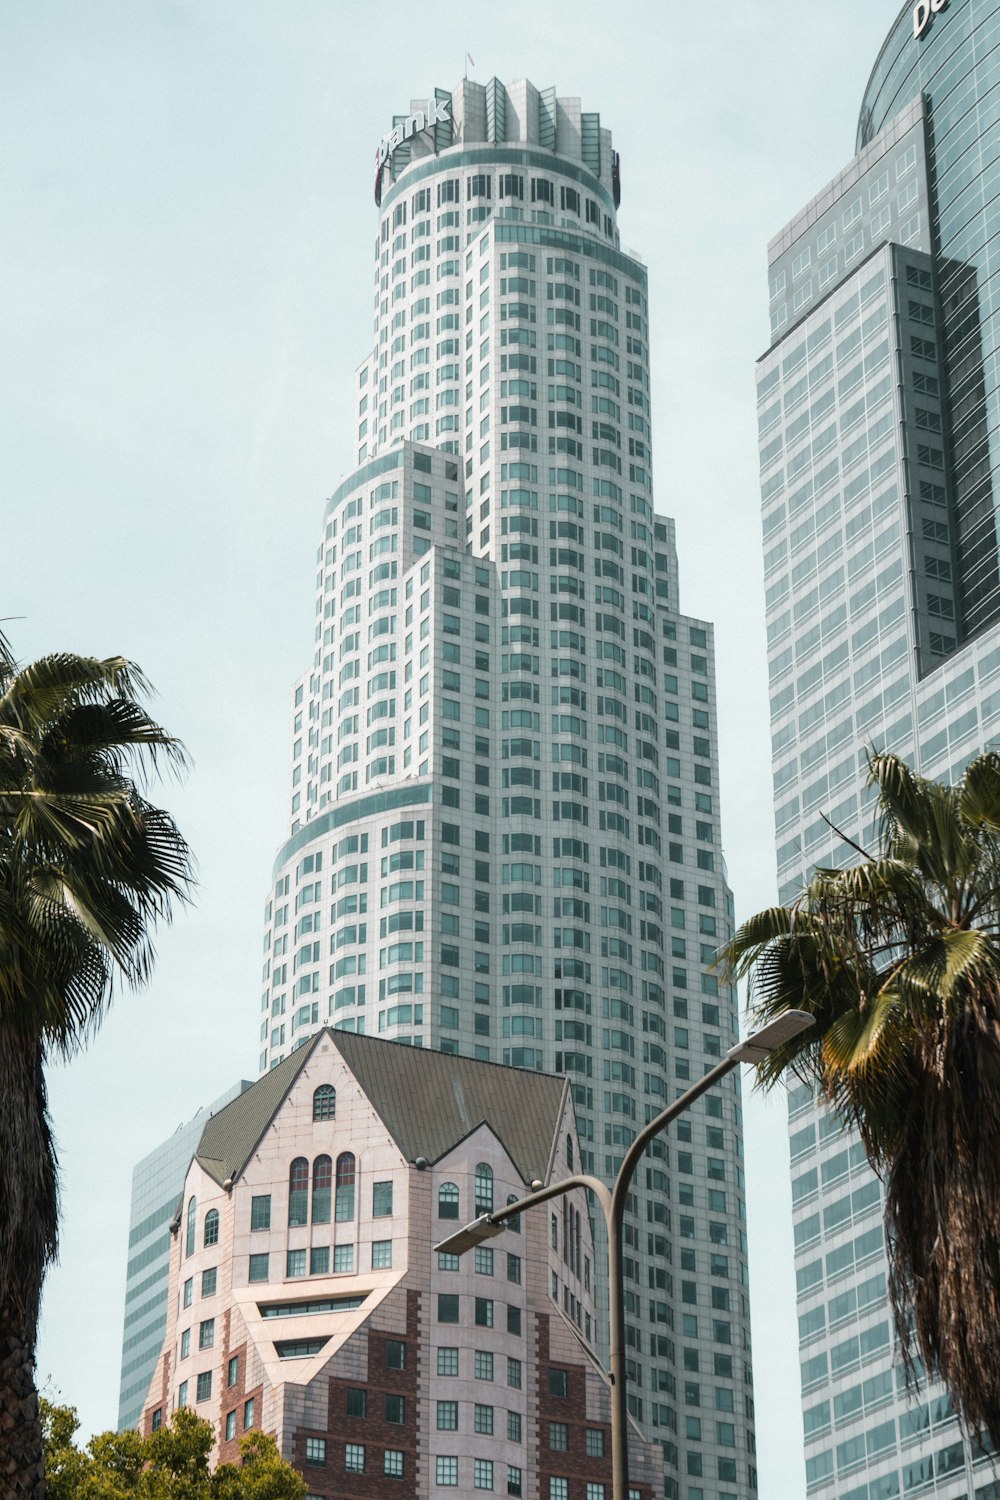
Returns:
<point x="504" y="835"/>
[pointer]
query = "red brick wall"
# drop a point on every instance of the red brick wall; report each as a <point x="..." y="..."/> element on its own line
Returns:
<point x="574" y="1464"/>
<point x="372" y="1430"/>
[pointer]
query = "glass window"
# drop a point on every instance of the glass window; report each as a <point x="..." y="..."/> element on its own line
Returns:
<point x="185" y="1343"/>
<point x="447" y="1307"/>
<point x="315" y="1451"/>
<point x="209" y="1281"/>
<point x="381" y="1255"/>
<point x="204" y="1386"/>
<point x="260" y="1212"/>
<point x="325" y="1102"/>
<point x="188" y="1292"/>
<point x="483" y="1312"/>
<point x="233" y="1370"/>
<point x="395" y="1354"/>
<point x="258" y="1267"/>
<point x="392" y="1463"/>
<point x="447" y="1361"/>
<point x="182" y="1393"/>
<point x="357" y="1402"/>
<point x="595" y="1442"/>
<point x="206" y="1334"/>
<point x="211" y="1236"/>
<point x="354" y="1458"/>
<point x="295" y="1263"/>
<point x="343" y="1258"/>
<point x="514" y="1374"/>
<point x="249" y="1415"/>
<point x="446" y="1471"/>
<point x="298" y="1191"/>
<point x="395" y="1410"/>
<point x="189" y="1232"/>
<point x="483" y="1364"/>
<point x="345" y="1187"/>
<point x="319" y="1260"/>
<point x="447" y="1416"/>
<point x="322" y="1178"/>
<point x="483" y="1419"/>
<point x="559" y="1437"/>
<point x="448" y="1201"/>
<point x="230" y="1425"/>
<point x="381" y="1200"/>
<point x="482" y="1471"/>
<point x="484" y="1188"/>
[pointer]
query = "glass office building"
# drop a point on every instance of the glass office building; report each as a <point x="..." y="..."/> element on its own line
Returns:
<point x="504" y="826"/>
<point x="878" y="444"/>
<point x="157" y="1182"/>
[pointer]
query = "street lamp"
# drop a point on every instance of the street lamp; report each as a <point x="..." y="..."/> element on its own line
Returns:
<point x="754" y="1049"/>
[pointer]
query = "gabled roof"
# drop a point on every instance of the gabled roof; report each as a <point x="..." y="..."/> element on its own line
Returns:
<point x="428" y="1101"/>
<point x="232" y="1136"/>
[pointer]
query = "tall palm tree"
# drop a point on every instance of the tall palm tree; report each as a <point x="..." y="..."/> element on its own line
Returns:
<point x="898" y="958"/>
<point x="87" y="868"/>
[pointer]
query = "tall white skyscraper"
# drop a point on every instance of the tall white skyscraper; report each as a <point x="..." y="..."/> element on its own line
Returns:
<point x="878" y="419"/>
<point x="504" y="833"/>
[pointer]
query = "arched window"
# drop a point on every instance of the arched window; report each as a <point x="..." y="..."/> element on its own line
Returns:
<point x="345" y="1187"/>
<point x="189" y="1236"/>
<point x="515" y="1221"/>
<point x="325" y="1102"/>
<point x="447" y="1201"/>
<point x="298" y="1192"/>
<point x="569" y="1152"/>
<point x="484" y="1188"/>
<point x="211" y="1227"/>
<point x="322" y="1180"/>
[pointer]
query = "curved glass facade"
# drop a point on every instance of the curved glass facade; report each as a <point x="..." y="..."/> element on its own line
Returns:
<point x="955" y="63"/>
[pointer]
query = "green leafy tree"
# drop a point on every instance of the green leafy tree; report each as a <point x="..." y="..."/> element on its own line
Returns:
<point x="169" y="1464"/>
<point x="87" y="868"/>
<point x="898" y="959"/>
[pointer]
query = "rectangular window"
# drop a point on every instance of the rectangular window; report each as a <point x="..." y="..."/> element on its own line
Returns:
<point x="381" y="1255"/>
<point x="514" y="1374"/>
<point x="206" y="1334"/>
<point x="258" y="1267"/>
<point x="182" y="1393"/>
<point x="392" y="1463"/>
<point x="558" y="1383"/>
<point x="260" y="1212"/>
<point x="447" y="1471"/>
<point x="357" y="1402"/>
<point x="559" y="1437"/>
<point x="233" y="1370"/>
<point x="483" y="1419"/>
<point x="514" y="1320"/>
<point x="483" y="1313"/>
<point x="595" y="1442"/>
<point x="447" y="1416"/>
<point x="204" y="1386"/>
<point x="381" y="1200"/>
<point x="395" y="1410"/>
<point x="514" y="1269"/>
<point x="447" y="1361"/>
<point x="558" y="1489"/>
<point x="483" y="1364"/>
<point x="447" y="1307"/>
<point x="185" y="1343"/>
<point x="188" y="1297"/>
<point x="395" y="1354"/>
<point x="248" y="1414"/>
<point x="514" y="1481"/>
<point x="295" y="1263"/>
<point x="513" y="1427"/>
<point x="319" y="1260"/>
<point x="209" y="1281"/>
<point x="343" y="1257"/>
<point x="354" y="1458"/>
<point x="482" y="1472"/>
<point x="230" y="1426"/>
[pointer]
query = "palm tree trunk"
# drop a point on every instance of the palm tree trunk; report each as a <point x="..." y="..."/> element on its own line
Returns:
<point x="22" y="1474"/>
<point x="28" y="1221"/>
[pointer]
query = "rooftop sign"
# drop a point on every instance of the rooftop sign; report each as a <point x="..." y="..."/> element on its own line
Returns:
<point x="437" y="113"/>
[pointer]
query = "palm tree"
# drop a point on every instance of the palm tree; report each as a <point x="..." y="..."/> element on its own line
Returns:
<point x="898" y="958"/>
<point x="87" y="868"/>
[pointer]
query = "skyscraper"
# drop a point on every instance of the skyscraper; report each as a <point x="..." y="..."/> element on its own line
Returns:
<point x="504" y="832"/>
<point x="877" y="410"/>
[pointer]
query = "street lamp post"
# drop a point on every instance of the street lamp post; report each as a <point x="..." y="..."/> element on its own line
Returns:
<point x="754" y="1049"/>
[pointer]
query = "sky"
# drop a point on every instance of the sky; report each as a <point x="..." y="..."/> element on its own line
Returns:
<point x="186" y="233"/>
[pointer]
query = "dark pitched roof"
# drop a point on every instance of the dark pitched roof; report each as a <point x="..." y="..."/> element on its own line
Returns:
<point x="232" y="1136"/>
<point x="428" y="1101"/>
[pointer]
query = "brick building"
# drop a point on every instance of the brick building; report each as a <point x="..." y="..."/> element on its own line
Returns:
<point x="305" y="1296"/>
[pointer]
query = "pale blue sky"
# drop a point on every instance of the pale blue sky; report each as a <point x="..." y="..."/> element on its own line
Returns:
<point x="186" y="233"/>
